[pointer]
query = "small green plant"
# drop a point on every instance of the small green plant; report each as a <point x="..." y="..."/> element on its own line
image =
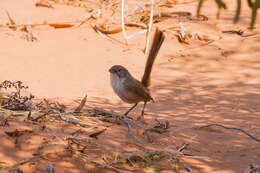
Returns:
<point x="254" y="5"/>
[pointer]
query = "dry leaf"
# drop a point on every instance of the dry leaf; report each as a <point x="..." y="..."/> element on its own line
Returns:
<point x="43" y="3"/>
<point x="61" y="25"/>
<point x="106" y="31"/>
<point x="203" y="38"/>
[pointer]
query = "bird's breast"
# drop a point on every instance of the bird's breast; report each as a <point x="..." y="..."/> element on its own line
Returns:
<point x="120" y="88"/>
<point x="116" y="83"/>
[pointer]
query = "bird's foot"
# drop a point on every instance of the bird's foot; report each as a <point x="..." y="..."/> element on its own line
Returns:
<point x="130" y="131"/>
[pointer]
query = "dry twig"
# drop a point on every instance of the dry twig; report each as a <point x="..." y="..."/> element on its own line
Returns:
<point x="179" y="151"/>
<point x="81" y="105"/>
<point x="123" y="20"/>
<point x="96" y="29"/>
<point x="230" y="128"/>
<point x="12" y="23"/>
<point x="75" y="121"/>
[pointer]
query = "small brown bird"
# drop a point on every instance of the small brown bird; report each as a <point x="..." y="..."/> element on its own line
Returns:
<point x="127" y="87"/>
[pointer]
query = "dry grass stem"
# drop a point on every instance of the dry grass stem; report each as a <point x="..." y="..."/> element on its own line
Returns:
<point x="123" y="20"/>
<point x="148" y="34"/>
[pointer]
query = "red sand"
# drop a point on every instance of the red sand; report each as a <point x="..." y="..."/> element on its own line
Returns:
<point x="199" y="85"/>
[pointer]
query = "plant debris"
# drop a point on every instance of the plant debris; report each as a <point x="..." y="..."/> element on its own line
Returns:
<point x="11" y="25"/>
<point x="96" y="134"/>
<point x="238" y="32"/>
<point x="46" y="135"/>
<point x="81" y="105"/>
<point x="14" y="100"/>
<point x="43" y="3"/>
<point x="231" y="128"/>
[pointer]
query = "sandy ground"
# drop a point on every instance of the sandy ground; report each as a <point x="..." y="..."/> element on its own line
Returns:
<point x="192" y="84"/>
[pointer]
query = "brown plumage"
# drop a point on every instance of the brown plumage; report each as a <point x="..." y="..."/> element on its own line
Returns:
<point x="128" y="88"/>
<point x="156" y="45"/>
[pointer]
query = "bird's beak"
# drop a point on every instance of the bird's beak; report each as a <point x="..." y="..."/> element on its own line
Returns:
<point x="110" y="70"/>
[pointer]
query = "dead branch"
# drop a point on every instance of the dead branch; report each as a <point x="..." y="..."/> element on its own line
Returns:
<point x="79" y="139"/>
<point x="193" y="156"/>
<point x="81" y="105"/>
<point x="230" y="128"/>
<point x="54" y="107"/>
<point x="179" y="151"/>
<point x="41" y="116"/>
<point x="238" y="32"/>
<point x="72" y="121"/>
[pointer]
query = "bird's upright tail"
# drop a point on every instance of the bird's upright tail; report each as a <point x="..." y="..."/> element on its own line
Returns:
<point x="156" y="45"/>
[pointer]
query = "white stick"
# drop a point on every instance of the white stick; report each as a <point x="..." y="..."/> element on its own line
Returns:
<point x="29" y="30"/>
<point x="123" y="20"/>
<point x="137" y="33"/>
<point x="149" y="28"/>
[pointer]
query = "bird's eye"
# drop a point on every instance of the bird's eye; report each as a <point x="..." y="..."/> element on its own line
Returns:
<point x="119" y="69"/>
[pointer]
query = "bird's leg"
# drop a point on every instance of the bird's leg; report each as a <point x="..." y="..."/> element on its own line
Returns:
<point x="130" y="131"/>
<point x="142" y="114"/>
<point x="143" y="109"/>
<point x="125" y="114"/>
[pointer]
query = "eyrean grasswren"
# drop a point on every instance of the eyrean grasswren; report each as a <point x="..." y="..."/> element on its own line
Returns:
<point x="129" y="89"/>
